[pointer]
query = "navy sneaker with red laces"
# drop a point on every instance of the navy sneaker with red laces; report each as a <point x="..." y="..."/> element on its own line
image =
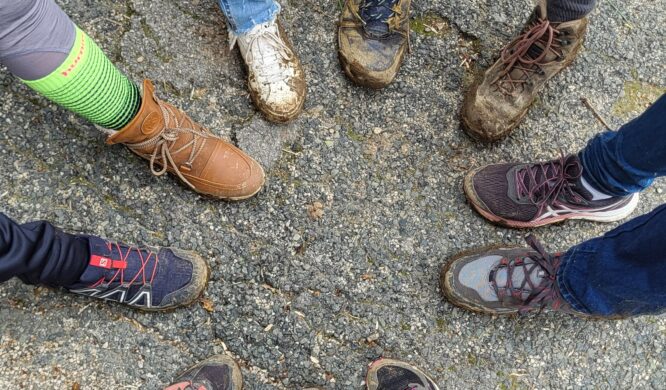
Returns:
<point x="146" y="278"/>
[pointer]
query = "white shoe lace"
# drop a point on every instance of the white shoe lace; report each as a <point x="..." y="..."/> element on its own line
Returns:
<point x="263" y="49"/>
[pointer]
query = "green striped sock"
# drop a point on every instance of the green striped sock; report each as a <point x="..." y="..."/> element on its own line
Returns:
<point x="91" y="86"/>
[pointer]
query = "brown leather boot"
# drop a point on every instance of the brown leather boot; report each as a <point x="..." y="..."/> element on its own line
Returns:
<point x="497" y="102"/>
<point x="174" y="143"/>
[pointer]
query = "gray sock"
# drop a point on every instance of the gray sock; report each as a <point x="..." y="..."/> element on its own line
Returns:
<point x="35" y="37"/>
<point x="566" y="10"/>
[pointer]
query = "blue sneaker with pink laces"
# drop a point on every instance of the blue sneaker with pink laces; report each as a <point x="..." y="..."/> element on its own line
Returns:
<point x="146" y="278"/>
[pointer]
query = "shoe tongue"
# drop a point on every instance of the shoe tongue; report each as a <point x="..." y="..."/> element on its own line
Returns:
<point x="571" y="170"/>
<point x="376" y="28"/>
<point x="580" y="189"/>
<point x="518" y="275"/>
<point x="109" y="259"/>
<point x="376" y="14"/>
<point x="101" y="257"/>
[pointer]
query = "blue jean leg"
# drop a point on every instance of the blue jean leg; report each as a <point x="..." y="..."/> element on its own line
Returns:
<point x="242" y="15"/>
<point x="622" y="162"/>
<point x="621" y="273"/>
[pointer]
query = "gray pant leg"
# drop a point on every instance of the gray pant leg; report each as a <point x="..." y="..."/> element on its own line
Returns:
<point x="35" y="37"/>
<point x="566" y="10"/>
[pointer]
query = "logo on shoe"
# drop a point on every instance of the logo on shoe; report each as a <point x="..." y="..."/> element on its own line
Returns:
<point x="82" y="49"/>
<point x="105" y="262"/>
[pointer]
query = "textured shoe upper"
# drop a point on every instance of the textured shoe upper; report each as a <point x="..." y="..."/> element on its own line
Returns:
<point x="527" y="192"/>
<point x="511" y="84"/>
<point x="276" y="77"/>
<point x="141" y="277"/>
<point x="175" y="143"/>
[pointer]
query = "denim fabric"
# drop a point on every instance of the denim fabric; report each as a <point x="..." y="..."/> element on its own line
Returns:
<point x="622" y="162"/>
<point x="39" y="253"/>
<point x="622" y="273"/>
<point x="242" y="15"/>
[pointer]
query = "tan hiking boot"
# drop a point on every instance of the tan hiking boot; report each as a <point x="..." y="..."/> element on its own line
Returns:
<point x="373" y="36"/>
<point x="498" y="101"/>
<point x="275" y="76"/>
<point x="174" y="143"/>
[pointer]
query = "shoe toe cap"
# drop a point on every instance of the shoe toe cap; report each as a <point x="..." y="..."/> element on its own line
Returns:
<point x="198" y="280"/>
<point x="370" y="62"/>
<point x="230" y="173"/>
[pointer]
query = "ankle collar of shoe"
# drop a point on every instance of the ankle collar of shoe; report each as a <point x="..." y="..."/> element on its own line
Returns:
<point x="256" y="30"/>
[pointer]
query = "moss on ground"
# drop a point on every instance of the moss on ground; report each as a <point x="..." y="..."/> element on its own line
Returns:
<point x="430" y="25"/>
<point x="637" y="97"/>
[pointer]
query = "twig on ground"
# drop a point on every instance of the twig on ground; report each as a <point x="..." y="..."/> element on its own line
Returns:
<point x="594" y="112"/>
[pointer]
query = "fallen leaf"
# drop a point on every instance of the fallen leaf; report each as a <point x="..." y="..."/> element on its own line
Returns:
<point x="316" y="210"/>
<point x="208" y="305"/>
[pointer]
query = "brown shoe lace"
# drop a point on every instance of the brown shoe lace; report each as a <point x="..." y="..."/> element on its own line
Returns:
<point x="161" y="158"/>
<point x="541" y="295"/>
<point x="518" y="54"/>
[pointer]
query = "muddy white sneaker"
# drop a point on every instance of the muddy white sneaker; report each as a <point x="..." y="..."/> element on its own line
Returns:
<point x="275" y="76"/>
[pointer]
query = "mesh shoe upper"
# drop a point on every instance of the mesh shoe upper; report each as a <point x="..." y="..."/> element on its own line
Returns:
<point x="492" y="187"/>
<point x="148" y="278"/>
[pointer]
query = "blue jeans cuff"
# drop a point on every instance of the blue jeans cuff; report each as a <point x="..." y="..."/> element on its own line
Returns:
<point x="568" y="258"/>
<point x="249" y="23"/>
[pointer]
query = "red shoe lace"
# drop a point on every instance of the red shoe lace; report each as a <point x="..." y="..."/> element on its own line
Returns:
<point x="119" y="276"/>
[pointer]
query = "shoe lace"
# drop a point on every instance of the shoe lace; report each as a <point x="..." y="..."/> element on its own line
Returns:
<point x="162" y="155"/>
<point x="539" y="296"/>
<point x="144" y="275"/>
<point x="264" y="42"/>
<point x="385" y="11"/>
<point x="378" y="10"/>
<point x="544" y="183"/>
<point x="525" y="55"/>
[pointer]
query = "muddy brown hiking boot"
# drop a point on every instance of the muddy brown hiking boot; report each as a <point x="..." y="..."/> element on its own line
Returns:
<point x="174" y="143"/>
<point x="373" y="36"/>
<point x="496" y="103"/>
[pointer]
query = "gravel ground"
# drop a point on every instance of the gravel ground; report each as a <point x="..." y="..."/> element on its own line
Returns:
<point x="302" y="301"/>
